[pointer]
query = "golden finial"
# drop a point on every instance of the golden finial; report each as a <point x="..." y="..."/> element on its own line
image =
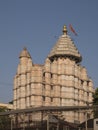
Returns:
<point x="64" y="29"/>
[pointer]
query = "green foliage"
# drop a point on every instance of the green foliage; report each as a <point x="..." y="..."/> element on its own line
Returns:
<point x="11" y="102"/>
<point x="4" y="120"/>
<point x="95" y="102"/>
<point x="95" y="97"/>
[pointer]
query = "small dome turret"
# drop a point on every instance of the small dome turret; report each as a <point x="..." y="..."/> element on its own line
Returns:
<point x="24" y="53"/>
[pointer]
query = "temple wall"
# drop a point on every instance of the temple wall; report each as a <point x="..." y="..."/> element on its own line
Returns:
<point x="61" y="81"/>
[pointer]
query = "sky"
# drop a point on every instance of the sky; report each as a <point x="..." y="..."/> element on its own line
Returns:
<point x="36" y="25"/>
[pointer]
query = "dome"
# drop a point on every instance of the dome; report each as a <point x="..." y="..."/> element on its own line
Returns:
<point x="65" y="47"/>
<point x="24" y="53"/>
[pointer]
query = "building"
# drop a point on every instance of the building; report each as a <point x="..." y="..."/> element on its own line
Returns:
<point x="8" y="106"/>
<point x="60" y="81"/>
<point x="91" y="124"/>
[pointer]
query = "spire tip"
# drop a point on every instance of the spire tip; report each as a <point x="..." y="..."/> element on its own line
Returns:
<point x="64" y="30"/>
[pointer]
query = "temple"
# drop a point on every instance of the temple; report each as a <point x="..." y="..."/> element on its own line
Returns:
<point x="60" y="81"/>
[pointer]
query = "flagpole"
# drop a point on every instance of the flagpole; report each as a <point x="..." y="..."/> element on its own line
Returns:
<point x="72" y="30"/>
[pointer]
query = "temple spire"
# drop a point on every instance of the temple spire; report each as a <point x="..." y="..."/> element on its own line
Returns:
<point x="64" y="30"/>
<point x="65" y="47"/>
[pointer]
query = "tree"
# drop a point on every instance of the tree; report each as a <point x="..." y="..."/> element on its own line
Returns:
<point x="5" y="121"/>
<point x="95" y="102"/>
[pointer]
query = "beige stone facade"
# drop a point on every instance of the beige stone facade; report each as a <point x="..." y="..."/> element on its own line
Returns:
<point x="60" y="81"/>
